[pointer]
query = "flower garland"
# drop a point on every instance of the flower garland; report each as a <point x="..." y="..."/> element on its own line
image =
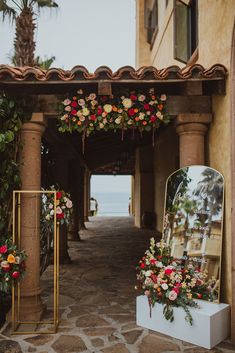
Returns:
<point x="12" y="265"/>
<point x="88" y="113"/>
<point x="63" y="206"/>
<point x="166" y="280"/>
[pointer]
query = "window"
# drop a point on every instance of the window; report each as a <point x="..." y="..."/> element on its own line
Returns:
<point x="151" y="20"/>
<point x="185" y="29"/>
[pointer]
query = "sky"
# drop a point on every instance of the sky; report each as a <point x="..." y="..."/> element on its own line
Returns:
<point x="81" y="32"/>
<point x="109" y="183"/>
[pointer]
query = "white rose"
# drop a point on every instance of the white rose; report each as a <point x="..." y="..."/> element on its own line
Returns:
<point x="141" y="98"/>
<point x="85" y="111"/>
<point x="159" y="115"/>
<point x="164" y="286"/>
<point x="148" y="273"/>
<point x="92" y="96"/>
<point x="4" y="264"/>
<point x="82" y="118"/>
<point x="141" y="116"/>
<point x="118" y="120"/>
<point x="64" y="117"/>
<point x="48" y="217"/>
<point x="108" y="108"/>
<point x="163" y="97"/>
<point x="51" y="206"/>
<point x="68" y="108"/>
<point x="58" y="210"/>
<point x="81" y="102"/>
<point x="69" y="204"/>
<point x="159" y="264"/>
<point x="127" y="102"/>
<point x="67" y="101"/>
<point x="172" y="295"/>
<point x="52" y="212"/>
<point x="101" y="125"/>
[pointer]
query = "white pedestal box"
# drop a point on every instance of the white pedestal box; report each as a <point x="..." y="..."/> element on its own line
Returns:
<point x="210" y="322"/>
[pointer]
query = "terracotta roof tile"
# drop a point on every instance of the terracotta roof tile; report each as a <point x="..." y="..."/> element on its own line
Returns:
<point x="127" y="73"/>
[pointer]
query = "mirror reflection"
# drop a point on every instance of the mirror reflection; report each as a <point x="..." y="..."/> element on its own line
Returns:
<point x="193" y="220"/>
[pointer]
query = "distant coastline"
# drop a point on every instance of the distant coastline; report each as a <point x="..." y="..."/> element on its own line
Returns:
<point x="112" y="203"/>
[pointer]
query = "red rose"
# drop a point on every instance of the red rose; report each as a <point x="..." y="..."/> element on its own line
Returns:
<point x="154" y="278"/>
<point x="153" y="118"/>
<point x="15" y="274"/>
<point x="60" y="215"/>
<point x="159" y="257"/>
<point x="99" y="110"/>
<point x="199" y="295"/>
<point x="133" y="97"/>
<point x="58" y="195"/>
<point x="142" y="265"/>
<point x="131" y="112"/>
<point x="93" y="117"/>
<point x="176" y="289"/>
<point x="168" y="271"/>
<point x="153" y="261"/>
<point x="73" y="112"/>
<point x="74" y="104"/>
<point x="3" y="249"/>
<point x="146" y="106"/>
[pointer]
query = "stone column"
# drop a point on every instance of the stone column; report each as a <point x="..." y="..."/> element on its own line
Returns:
<point x="191" y="129"/>
<point x="81" y="198"/>
<point x="86" y="195"/>
<point x="61" y="171"/>
<point x="31" y="306"/>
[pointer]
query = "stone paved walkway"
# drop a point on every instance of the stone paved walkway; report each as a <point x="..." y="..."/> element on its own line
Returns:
<point x="97" y="299"/>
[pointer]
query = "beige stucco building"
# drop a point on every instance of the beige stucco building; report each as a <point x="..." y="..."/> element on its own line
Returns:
<point x="183" y="33"/>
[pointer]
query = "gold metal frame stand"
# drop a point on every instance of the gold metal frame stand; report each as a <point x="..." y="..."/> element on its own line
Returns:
<point x="16" y="295"/>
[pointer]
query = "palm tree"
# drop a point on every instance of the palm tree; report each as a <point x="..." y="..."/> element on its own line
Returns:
<point x="23" y="12"/>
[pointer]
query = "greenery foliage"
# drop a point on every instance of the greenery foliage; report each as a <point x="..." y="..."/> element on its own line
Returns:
<point x="11" y="118"/>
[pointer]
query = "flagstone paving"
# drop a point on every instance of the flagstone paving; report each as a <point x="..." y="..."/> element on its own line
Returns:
<point x="97" y="299"/>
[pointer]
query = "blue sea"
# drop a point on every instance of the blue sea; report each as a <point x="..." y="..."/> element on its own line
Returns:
<point x="112" y="203"/>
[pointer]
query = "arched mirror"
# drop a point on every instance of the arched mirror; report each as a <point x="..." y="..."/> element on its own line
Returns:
<point x="193" y="221"/>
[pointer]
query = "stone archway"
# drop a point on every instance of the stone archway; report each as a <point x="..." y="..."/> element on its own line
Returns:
<point x="232" y="119"/>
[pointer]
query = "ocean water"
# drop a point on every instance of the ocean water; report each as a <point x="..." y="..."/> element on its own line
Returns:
<point x="112" y="203"/>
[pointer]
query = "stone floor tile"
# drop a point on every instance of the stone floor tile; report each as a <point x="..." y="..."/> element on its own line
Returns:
<point x="39" y="340"/>
<point x="97" y="342"/>
<point x="153" y="344"/>
<point x="10" y="346"/>
<point x="117" y="348"/>
<point x="91" y="321"/>
<point x="69" y="344"/>
<point x="132" y="336"/>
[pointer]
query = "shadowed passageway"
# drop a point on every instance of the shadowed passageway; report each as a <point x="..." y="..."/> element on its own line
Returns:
<point x="97" y="301"/>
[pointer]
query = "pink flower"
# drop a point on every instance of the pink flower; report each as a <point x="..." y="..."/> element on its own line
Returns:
<point x="99" y="110"/>
<point x="172" y="295"/>
<point x="69" y="204"/>
<point x="163" y="97"/>
<point x="133" y="97"/>
<point x="3" y="249"/>
<point x="152" y="118"/>
<point x="58" y="210"/>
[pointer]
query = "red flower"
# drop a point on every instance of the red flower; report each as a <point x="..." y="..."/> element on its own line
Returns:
<point x="104" y="98"/>
<point x="99" y="110"/>
<point x="6" y="268"/>
<point x="133" y="97"/>
<point x="168" y="271"/>
<point x="74" y="104"/>
<point x="60" y="215"/>
<point x="153" y="118"/>
<point x="199" y="295"/>
<point x="146" y="106"/>
<point x="159" y="257"/>
<point x="153" y="261"/>
<point x="3" y="249"/>
<point x="15" y="274"/>
<point x="154" y="278"/>
<point x="93" y="117"/>
<point x="58" y="195"/>
<point x="73" y="112"/>
<point x="142" y="265"/>
<point x="131" y="112"/>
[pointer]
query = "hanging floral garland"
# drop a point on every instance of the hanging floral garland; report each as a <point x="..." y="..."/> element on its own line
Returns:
<point x="136" y="111"/>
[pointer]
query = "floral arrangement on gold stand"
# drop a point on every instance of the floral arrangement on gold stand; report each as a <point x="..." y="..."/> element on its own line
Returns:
<point x="168" y="281"/>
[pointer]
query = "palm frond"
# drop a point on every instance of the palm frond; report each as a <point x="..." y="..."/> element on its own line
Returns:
<point x="45" y="3"/>
<point x="7" y="11"/>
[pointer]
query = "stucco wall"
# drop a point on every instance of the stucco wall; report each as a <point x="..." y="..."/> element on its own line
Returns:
<point x="216" y="20"/>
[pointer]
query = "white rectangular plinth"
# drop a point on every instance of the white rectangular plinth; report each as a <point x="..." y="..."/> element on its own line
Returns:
<point x="210" y="322"/>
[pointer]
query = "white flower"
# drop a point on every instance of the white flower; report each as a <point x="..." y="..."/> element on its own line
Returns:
<point x="58" y="210"/>
<point x="68" y="108"/>
<point x="141" y="98"/>
<point x="80" y="91"/>
<point x="50" y="206"/>
<point x="172" y="295"/>
<point x="52" y="212"/>
<point x="85" y="111"/>
<point x="148" y="281"/>
<point x="65" y="199"/>
<point x="148" y="112"/>
<point x="82" y="118"/>
<point x="159" y="264"/>
<point x="151" y="102"/>
<point x="94" y="102"/>
<point x="148" y="273"/>
<point x="4" y="264"/>
<point x="108" y="108"/>
<point x="163" y="97"/>
<point x="105" y="121"/>
<point x="101" y="125"/>
<point x="159" y="115"/>
<point x="69" y="204"/>
<point x="127" y="102"/>
<point x="130" y="122"/>
<point x="141" y="116"/>
<point x="48" y="217"/>
<point x="64" y="117"/>
<point x="164" y="286"/>
<point x="17" y="260"/>
<point x="118" y="120"/>
<point x="74" y="119"/>
<point x="67" y="101"/>
<point x="81" y="102"/>
<point x="92" y="96"/>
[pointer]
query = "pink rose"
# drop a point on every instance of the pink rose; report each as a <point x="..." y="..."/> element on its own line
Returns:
<point x="172" y="295"/>
<point x="69" y="204"/>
